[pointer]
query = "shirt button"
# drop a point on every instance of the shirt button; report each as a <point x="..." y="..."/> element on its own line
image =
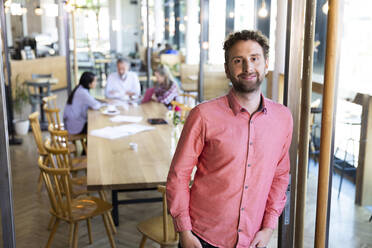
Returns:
<point x="250" y="143"/>
<point x="239" y="230"/>
<point x="249" y="165"/>
<point x="242" y="209"/>
<point x="251" y="122"/>
<point x="246" y="187"/>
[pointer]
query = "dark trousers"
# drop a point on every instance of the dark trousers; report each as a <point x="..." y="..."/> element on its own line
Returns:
<point x="202" y="242"/>
<point x="205" y="244"/>
<point x="85" y="129"/>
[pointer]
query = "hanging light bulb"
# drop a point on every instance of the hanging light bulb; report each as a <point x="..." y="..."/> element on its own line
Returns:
<point x="38" y="11"/>
<point x="205" y="45"/>
<point x="263" y="11"/>
<point x="7" y="3"/>
<point x="182" y="27"/>
<point x="325" y="8"/>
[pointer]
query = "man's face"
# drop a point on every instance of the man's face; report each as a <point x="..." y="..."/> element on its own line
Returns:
<point x="246" y="66"/>
<point x="122" y="68"/>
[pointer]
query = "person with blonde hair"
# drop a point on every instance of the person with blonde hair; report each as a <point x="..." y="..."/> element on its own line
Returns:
<point x="166" y="89"/>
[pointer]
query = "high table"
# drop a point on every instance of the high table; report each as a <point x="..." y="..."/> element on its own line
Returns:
<point x="40" y="83"/>
<point x="113" y="165"/>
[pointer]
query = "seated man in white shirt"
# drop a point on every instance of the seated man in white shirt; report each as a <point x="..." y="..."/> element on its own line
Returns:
<point x="122" y="84"/>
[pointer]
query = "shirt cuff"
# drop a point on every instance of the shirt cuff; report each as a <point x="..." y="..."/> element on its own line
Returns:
<point x="270" y="221"/>
<point x="182" y="223"/>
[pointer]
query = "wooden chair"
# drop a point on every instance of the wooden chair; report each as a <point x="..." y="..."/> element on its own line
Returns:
<point x="72" y="210"/>
<point x="159" y="229"/>
<point x="52" y="112"/>
<point x="188" y="99"/>
<point x="189" y="77"/>
<point x="60" y="140"/>
<point x="184" y="109"/>
<point x="59" y="157"/>
<point x="215" y="82"/>
<point x="36" y="130"/>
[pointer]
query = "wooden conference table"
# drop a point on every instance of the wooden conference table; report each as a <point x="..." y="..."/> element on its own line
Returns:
<point x="113" y="165"/>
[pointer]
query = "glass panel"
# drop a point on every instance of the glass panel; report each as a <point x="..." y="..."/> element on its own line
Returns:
<point x="244" y="15"/>
<point x="217" y="22"/>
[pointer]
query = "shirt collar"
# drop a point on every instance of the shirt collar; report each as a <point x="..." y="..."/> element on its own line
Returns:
<point x="124" y="76"/>
<point x="236" y="107"/>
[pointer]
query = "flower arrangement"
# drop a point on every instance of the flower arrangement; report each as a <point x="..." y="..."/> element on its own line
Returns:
<point x="174" y="116"/>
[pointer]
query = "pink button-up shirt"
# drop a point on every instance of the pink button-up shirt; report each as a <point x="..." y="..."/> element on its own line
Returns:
<point x="242" y="171"/>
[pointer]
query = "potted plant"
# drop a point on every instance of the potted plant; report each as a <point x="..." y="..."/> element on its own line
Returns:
<point x="20" y="100"/>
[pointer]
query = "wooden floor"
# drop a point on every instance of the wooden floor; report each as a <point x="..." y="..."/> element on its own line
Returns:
<point x="349" y="223"/>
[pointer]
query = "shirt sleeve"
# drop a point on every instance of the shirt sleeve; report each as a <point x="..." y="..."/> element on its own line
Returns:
<point x="189" y="148"/>
<point x="91" y="102"/>
<point x="169" y="95"/>
<point x="277" y="195"/>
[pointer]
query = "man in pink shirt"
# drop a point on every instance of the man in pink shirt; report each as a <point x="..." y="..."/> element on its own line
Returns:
<point x="239" y="144"/>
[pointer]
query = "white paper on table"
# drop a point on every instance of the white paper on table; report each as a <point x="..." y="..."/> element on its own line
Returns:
<point x="120" y="131"/>
<point x="126" y="118"/>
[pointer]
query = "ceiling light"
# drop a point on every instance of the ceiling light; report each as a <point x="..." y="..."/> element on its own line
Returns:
<point x="263" y="11"/>
<point x="205" y="45"/>
<point x="39" y="11"/>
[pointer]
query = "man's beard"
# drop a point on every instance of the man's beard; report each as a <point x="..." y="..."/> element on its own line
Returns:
<point x="245" y="87"/>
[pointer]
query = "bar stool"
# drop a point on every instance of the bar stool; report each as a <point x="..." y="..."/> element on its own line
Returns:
<point x="38" y="88"/>
<point x="314" y="141"/>
<point x="345" y="164"/>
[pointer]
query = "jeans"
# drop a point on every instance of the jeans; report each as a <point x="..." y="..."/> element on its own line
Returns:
<point x="202" y="242"/>
<point x="205" y="244"/>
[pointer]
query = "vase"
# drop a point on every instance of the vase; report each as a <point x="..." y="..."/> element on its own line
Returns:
<point x="22" y="126"/>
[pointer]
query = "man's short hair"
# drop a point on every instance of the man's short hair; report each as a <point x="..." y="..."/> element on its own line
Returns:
<point x="246" y="35"/>
<point x="123" y="60"/>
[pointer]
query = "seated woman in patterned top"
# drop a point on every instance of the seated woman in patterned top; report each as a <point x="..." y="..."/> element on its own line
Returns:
<point x="166" y="89"/>
<point x="75" y="115"/>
